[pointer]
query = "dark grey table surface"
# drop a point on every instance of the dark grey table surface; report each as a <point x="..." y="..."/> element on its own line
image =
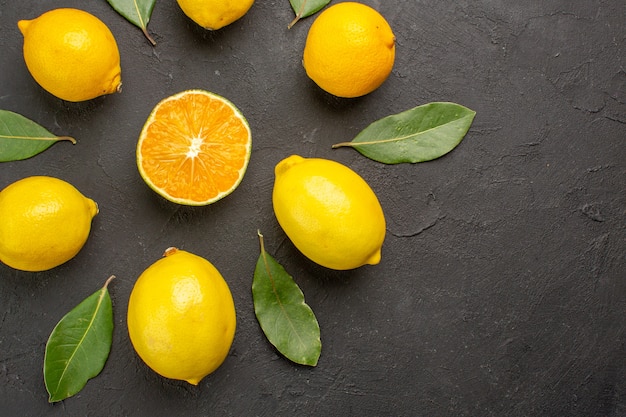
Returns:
<point x="502" y="288"/>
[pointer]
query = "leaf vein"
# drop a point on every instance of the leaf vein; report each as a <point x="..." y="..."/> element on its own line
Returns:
<point x="278" y="299"/>
<point x="82" y="339"/>
<point x="406" y="137"/>
<point x="143" y="25"/>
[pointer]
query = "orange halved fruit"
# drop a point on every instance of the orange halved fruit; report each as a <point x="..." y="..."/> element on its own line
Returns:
<point x="194" y="148"/>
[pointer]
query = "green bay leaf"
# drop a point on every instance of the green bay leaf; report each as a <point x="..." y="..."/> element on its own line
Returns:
<point x="21" y="138"/>
<point x="305" y="8"/>
<point x="137" y="12"/>
<point x="287" y="321"/>
<point x="420" y="134"/>
<point x="79" y="345"/>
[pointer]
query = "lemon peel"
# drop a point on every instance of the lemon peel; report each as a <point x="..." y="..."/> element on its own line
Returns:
<point x="71" y="54"/>
<point x="329" y="212"/>
<point x="349" y="50"/>
<point x="181" y="317"/>
<point x="215" y="14"/>
<point x="44" y="222"/>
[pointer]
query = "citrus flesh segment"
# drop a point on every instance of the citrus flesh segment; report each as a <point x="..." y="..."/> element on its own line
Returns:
<point x="194" y="148"/>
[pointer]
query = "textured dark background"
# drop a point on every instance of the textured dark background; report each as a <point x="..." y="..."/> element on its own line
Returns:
<point x="502" y="287"/>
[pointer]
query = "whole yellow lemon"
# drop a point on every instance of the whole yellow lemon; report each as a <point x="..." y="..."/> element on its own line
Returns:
<point x="329" y="212"/>
<point x="215" y="14"/>
<point x="44" y="222"/>
<point x="71" y="54"/>
<point x="181" y="317"/>
<point x="349" y="50"/>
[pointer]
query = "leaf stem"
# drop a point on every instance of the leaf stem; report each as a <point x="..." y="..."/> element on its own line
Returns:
<point x="339" y="145"/>
<point x="298" y="15"/>
<point x="147" y="35"/>
<point x="108" y="281"/>
<point x="258" y="232"/>
<point x="267" y="270"/>
<point x="68" y="138"/>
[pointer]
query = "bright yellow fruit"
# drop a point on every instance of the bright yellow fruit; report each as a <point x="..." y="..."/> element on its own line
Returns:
<point x="329" y="212"/>
<point x="215" y="14"/>
<point x="44" y="222"/>
<point x="71" y="54"/>
<point x="181" y="317"/>
<point x="350" y="50"/>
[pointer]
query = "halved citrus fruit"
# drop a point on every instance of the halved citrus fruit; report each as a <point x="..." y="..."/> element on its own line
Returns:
<point x="194" y="148"/>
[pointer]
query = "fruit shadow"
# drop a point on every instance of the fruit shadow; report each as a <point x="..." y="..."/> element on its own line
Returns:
<point x="75" y="111"/>
<point x="201" y="35"/>
<point x="319" y="275"/>
<point x="330" y="102"/>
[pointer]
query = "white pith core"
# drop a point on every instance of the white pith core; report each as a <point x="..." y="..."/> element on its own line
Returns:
<point x="194" y="148"/>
